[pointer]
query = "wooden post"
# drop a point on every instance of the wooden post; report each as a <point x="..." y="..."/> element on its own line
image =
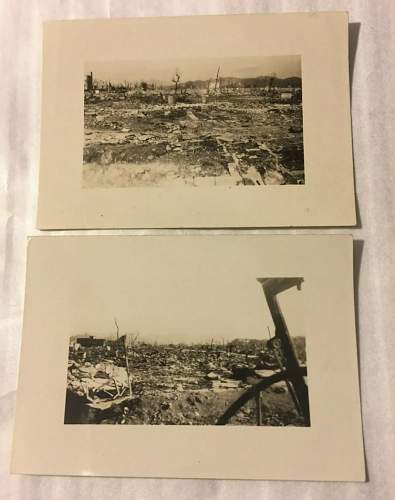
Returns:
<point x="126" y="356"/>
<point x="127" y="366"/>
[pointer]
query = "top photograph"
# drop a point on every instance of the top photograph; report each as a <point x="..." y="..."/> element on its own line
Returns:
<point x="196" y="122"/>
<point x="207" y="122"/>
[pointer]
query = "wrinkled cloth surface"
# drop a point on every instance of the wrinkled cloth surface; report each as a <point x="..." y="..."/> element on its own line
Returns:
<point x="372" y="68"/>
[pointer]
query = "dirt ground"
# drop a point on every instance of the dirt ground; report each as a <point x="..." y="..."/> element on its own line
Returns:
<point x="229" y="140"/>
<point x="196" y="407"/>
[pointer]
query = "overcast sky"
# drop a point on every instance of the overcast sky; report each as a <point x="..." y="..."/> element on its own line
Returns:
<point x="195" y="69"/>
<point x="176" y="308"/>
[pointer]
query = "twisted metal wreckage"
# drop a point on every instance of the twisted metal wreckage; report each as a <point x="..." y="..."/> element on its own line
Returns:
<point x="289" y="369"/>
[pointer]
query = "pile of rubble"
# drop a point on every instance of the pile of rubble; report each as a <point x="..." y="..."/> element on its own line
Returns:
<point x="102" y="384"/>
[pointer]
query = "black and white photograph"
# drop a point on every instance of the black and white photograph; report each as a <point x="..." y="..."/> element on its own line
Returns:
<point x="193" y="122"/>
<point x="234" y="355"/>
<point x="254" y="376"/>
<point x="203" y="122"/>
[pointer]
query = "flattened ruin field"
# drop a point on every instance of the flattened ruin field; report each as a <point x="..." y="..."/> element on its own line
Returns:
<point x="226" y="140"/>
<point x="173" y="385"/>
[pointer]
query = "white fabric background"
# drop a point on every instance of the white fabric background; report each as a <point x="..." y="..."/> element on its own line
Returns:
<point x="373" y="108"/>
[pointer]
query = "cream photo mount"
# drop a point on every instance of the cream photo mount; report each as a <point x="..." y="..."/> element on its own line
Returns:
<point x="183" y="291"/>
<point x="319" y="39"/>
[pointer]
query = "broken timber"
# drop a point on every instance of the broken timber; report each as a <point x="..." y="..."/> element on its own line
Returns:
<point x="290" y="370"/>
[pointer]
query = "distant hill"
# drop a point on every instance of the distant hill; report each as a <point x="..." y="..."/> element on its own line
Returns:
<point x="256" y="82"/>
<point x="224" y="82"/>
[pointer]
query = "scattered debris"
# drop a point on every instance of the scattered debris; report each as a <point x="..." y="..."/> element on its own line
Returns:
<point x="230" y="139"/>
<point x="170" y="384"/>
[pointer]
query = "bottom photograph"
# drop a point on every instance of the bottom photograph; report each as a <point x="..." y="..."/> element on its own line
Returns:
<point x="129" y="376"/>
<point x="190" y="356"/>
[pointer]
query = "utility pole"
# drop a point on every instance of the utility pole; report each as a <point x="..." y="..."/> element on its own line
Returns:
<point x="127" y="365"/>
<point x="216" y="80"/>
<point x="125" y="352"/>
